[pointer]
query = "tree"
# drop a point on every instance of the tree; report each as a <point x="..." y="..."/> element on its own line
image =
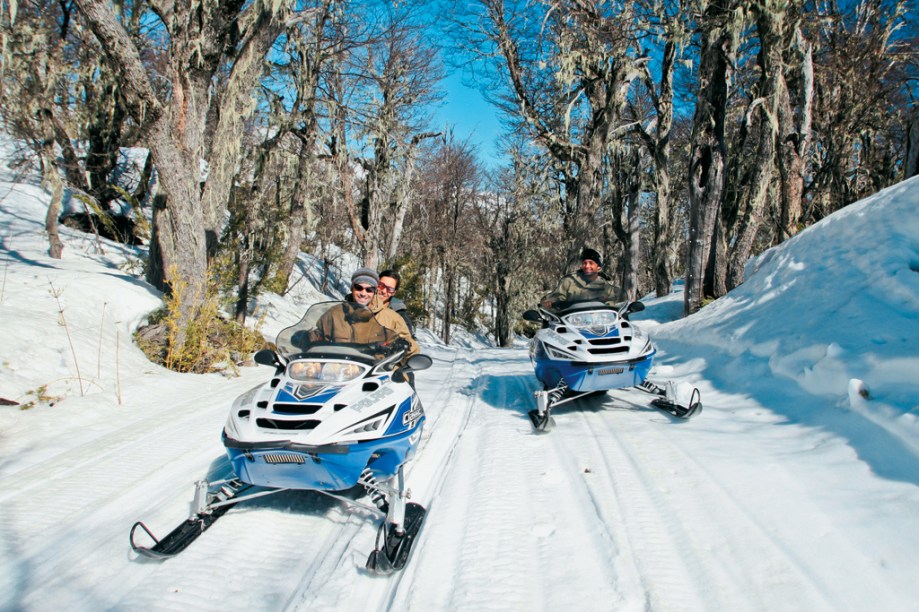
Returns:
<point x="863" y="67"/>
<point x="718" y="31"/>
<point x="449" y="195"/>
<point x="201" y="38"/>
<point x="377" y="121"/>
<point x="666" y="22"/>
<point x="60" y="99"/>
<point x="563" y="70"/>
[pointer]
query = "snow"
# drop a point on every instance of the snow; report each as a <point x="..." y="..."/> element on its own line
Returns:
<point x="797" y="488"/>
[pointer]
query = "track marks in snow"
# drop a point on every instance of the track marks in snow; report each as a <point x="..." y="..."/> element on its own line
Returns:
<point x="500" y="468"/>
<point x="687" y="531"/>
<point x="100" y="487"/>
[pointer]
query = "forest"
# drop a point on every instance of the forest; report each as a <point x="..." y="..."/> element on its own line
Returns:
<point x="678" y="138"/>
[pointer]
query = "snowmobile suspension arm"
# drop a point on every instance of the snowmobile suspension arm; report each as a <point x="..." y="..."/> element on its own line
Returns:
<point x="236" y="500"/>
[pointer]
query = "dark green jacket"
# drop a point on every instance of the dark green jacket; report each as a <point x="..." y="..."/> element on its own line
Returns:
<point x="575" y="287"/>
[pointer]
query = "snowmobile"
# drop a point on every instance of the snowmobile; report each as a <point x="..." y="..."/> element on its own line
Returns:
<point x="588" y="347"/>
<point x="335" y="416"/>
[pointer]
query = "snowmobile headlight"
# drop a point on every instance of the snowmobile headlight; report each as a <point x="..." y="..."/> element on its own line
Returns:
<point x="341" y="372"/>
<point x="557" y="354"/>
<point x="324" y="371"/>
<point x="597" y="323"/>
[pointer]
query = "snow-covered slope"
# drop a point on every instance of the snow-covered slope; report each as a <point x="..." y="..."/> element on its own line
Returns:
<point x="796" y="489"/>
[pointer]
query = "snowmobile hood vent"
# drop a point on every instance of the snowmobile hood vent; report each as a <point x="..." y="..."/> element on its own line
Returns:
<point x="285" y="425"/>
<point x="288" y="408"/>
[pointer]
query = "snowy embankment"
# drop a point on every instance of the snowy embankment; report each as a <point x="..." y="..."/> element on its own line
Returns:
<point x="796" y="489"/>
<point x="829" y="319"/>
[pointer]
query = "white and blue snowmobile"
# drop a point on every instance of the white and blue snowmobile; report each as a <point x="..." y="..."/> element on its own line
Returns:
<point x="589" y="347"/>
<point x="334" y="416"/>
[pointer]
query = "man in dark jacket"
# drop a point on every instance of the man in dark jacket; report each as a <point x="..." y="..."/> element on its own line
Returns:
<point x="389" y="284"/>
<point x="585" y="284"/>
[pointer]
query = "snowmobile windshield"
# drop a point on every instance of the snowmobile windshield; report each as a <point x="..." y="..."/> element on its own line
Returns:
<point x="341" y="330"/>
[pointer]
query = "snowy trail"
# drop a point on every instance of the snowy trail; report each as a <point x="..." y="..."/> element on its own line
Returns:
<point x="647" y="512"/>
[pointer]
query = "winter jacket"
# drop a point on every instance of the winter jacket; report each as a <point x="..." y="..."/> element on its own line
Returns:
<point x="576" y="287"/>
<point x="390" y="319"/>
<point x="400" y="308"/>
<point x="350" y="322"/>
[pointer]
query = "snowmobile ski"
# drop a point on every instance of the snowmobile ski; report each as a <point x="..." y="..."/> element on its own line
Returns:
<point x="541" y="422"/>
<point x="179" y="538"/>
<point x="208" y="506"/>
<point x="394" y="545"/>
<point x="666" y="400"/>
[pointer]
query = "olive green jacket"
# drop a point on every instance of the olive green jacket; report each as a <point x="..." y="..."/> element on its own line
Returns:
<point x="576" y="287"/>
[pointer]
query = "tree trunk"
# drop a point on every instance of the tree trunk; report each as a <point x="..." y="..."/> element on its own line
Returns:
<point x="242" y="281"/>
<point x="662" y="248"/>
<point x="52" y="182"/>
<point x="773" y="93"/>
<point x="911" y="167"/>
<point x="299" y="214"/>
<point x="795" y="113"/>
<point x="707" y="157"/>
<point x="236" y="104"/>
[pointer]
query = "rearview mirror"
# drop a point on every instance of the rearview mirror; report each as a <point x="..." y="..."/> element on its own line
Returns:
<point x="636" y="307"/>
<point x="418" y="362"/>
<point x="532" y="315"/>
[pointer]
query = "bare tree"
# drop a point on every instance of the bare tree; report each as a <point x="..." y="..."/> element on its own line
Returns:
<point x="378" y="119"/>
<point x="564" y="69"/>
<point x="667" y="23"/>
<point x="450" y="196"/>
<point x="59" y="99"/>
<point x="863" y="65"/>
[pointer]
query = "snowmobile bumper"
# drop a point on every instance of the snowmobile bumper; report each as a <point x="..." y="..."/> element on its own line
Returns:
<point x="581" y="377"/>
<point x="331" y="467"/>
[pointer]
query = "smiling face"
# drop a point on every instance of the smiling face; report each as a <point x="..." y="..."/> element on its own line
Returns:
<point x="387" y="288"/>
<point x="362" y="293"/>
<point x="590" y="267"/>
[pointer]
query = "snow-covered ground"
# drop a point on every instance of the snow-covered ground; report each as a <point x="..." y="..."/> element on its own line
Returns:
<point x="797" y="488"/>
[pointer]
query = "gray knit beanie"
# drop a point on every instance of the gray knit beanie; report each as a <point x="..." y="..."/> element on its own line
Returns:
<point x="365" y="276"/>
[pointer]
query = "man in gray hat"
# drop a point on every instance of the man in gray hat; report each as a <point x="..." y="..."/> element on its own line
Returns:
<point x="360" y="320"/>
<point x="586" y="284"/>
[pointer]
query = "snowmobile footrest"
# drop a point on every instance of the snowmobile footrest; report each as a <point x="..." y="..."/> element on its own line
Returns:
<point x="393" y="549"/>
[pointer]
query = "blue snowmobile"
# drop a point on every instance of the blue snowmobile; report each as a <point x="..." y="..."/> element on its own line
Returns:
<point x="589" y="347"/>
<point x="332" y="417"/>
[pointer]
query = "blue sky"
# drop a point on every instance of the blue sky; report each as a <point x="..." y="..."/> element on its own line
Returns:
<point x="471" y="117"/>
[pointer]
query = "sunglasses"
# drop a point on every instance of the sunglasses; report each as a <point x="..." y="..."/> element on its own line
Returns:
<point x="386" y="288"/>
<point x="364" y="288"/>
